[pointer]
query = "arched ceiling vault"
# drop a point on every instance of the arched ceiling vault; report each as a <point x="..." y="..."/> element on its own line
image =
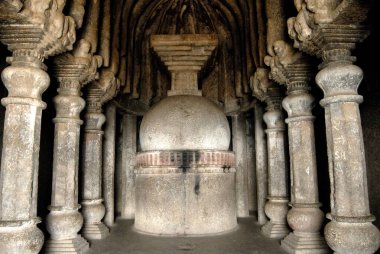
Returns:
<point x="225" y="78"/>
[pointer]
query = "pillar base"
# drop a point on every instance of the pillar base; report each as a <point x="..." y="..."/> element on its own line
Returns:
<point x="21" y="237"/>
<point x="95" y="231"/>
<point x="276" y="231"/>
<point x="77" y="245"/>
<point x="352" y="236"/>
<point x="305" y="244"/>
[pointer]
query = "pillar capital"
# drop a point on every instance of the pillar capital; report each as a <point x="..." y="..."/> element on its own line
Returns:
<point x="265" y="90"/>
<point x="77" y="68"/>
<point x="294" y="70"/>
<point x="329" y="29"/>
<point x="290" y="67"/>
<point x="35" y="29"/>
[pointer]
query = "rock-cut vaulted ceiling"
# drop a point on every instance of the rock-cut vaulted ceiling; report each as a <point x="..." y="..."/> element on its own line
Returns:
<point x="238" y="25"/>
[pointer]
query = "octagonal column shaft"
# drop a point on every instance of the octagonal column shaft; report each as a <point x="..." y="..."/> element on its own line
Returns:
<point x="26" y="81"/>
<point x="93" y="209"/>
<point x="239" y="141"/>
<point x="64" y="220"/>
<point x="251" y="166"/>
<point x="305" y="217"/>
<point x="109" y="151"/>
<point x="350" y="229"/>
<point x="129" y="123"/>
<point x="276" y="207"/>
<point x="261" y="164"/>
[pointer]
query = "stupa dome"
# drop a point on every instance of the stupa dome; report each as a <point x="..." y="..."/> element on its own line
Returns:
<point x="185" y="122"/>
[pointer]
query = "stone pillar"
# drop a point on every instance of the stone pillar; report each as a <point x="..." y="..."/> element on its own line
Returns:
<point x="333" y="38"/>
<point x="294" y="70"/>
<point x="92" y="202"/>
<point x="251" y="166"/>
<point x="25" y="81"/>
<point x="276" y="207"/>
<point x="239" y="141"/>
<point x="64" y="220"/>
<point x="350" y="229"/>
<point x="129" y="157"/>
<point x="261" y="164"/>
<point x="98" y="93"/>
<point x="31" y="38"/>
<point x="109" y="165"/>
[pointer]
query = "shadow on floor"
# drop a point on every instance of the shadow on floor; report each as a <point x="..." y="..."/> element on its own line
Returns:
<point x="246" y="240"/>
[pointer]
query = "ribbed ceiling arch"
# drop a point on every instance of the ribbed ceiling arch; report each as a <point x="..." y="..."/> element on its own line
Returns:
<point x="225" y="79"/>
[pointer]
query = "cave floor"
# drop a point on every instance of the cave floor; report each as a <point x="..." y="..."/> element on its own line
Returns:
<point x="246" y="240"/>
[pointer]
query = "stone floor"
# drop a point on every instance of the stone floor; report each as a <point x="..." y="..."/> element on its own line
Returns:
<point x="246" y="240"/>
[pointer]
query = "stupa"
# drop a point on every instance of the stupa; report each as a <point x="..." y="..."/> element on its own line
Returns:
<point x="185" y="175"/>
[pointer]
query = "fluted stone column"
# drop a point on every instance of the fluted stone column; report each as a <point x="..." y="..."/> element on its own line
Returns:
<point x="239" y="142"/>
<point x="31" y="38"/>
<point x="93" y="209"/>
<point x="337" y="28"/>
<point x="294" y="70"/>
<point x="261" y="164"/>
<point x="129" y="123"/>
<point x="109" y="151"/>
<point x="276" y="207"/>
<point x="64" y="220"/>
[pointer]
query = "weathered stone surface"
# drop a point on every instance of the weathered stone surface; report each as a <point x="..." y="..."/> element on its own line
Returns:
<point x="171" y="123"/>
<point x="251" y="165"/>
<point x="72" y="70"/>
<point x="239" y="142"/>
<point x="129" y="123"/>
<point x="191" y="192"/>
<point x="290" y="68"/>
<point x="109" y="152"/>
<point x="261" y="164"/>
<point x="338" y="27"/>
<point x="277" y="206"/>
<point x="32" y="31"/>
<point x="185" y="193"/>
<point x="98" y="93"/>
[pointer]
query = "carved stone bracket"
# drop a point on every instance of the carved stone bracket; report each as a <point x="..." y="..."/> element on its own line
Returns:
<point x="290" y="67"/>
<point x="329" y="29"/>
<point x="35" y="30"/>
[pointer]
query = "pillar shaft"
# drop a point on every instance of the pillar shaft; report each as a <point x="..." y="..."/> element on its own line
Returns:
<point x="240" y="148"/>
<point x="333" y="39"/>
<point x="251" y="166"/>
<point x="305" y="217"/>
<point x="261" y="164"/>
<point x="33" y="32"/>
<point x="350" y="229"/>
<point x="92" y="202"/>
<point x="64" y="220"/>
<point x="25" y="81"/>
<point x="128" y="161"/>
<point x="109" y="165"/>
<point x="277" y="206"/>
<point x="291" y="68"/>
